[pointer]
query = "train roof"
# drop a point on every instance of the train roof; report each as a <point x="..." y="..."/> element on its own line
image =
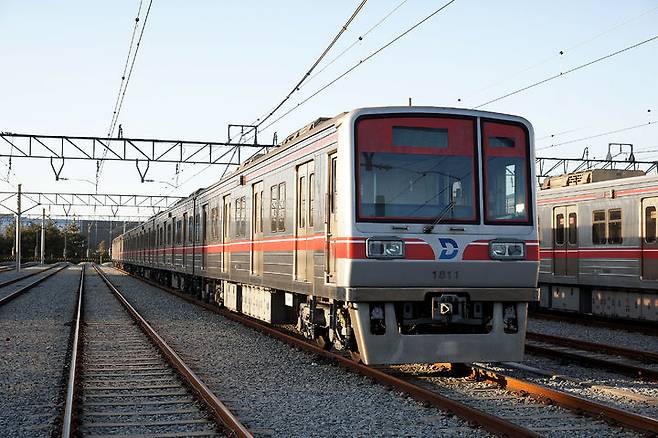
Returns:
<point x="648" y="182"/>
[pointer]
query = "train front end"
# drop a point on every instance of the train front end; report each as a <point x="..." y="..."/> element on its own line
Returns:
<point x="441" y="258"/>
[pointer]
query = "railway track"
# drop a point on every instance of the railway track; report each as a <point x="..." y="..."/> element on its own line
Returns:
<point x="34" y="325"/>
<point x="638" y="326"/>
<point x="617" y="359"/>
<point x="7" y="295"/>
<point x="18" y="278"/>
<point x="572" y="409"/>
<point x="124" y="379"/>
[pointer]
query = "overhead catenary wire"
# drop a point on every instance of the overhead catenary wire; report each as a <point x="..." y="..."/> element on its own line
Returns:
<point x="361" y="62"/>
<point x="315" y="64"/>
<point x="358" y="40"/>
<point x="571" y="70"/>
<point x="123" y="92"/>
<point x="348" y="71"/>
<point x="125" y="68"/>
<point x="628" y="128"/>
<point x="563" y="52"/>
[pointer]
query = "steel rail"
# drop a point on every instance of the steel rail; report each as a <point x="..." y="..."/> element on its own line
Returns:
<point x="491" y="423"/>
<point x="67" y="420"/>
<point x="612" y="365"/>
<point x="607" y="413"/>
<point x="17" y="279"/>
<point x="594" y="346"/>
<point x="221" y="413"/>
<point x="641" y="326"/>
<point x="11" y="296"/>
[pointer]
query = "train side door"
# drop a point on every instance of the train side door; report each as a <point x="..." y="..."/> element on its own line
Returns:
<point x="184" y="240"/>
<point x="304" y="223"/>
<point x="559" y="241"/>
<point x="649" y="239"/>
<point x="572" y="241"/>
<point x="257" y="229"/>
<point x="226" y="220"/>
<point x="330" y="220"/>
<point x="565" y="240"/>
<point x="204" y="236"/>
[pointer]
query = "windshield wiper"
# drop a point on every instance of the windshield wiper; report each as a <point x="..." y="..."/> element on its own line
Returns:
<point x="430" y="227"/>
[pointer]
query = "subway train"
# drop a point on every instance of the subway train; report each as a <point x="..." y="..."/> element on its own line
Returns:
<point x="398" y="234"/>
<point x="598" y="247"/>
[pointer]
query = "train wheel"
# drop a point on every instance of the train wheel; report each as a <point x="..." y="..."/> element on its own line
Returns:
<point x="323" y="339"/>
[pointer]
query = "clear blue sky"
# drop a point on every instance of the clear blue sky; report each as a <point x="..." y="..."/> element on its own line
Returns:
<point x="204" y="64"/>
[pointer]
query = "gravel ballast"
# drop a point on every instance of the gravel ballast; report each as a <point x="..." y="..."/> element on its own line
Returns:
<point x="277" y="390"/>
<point x="35" y="333"/>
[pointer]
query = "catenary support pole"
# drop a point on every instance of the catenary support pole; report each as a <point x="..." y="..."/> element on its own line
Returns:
<point x="43" y="237"/>
<point x="18" y="229"/>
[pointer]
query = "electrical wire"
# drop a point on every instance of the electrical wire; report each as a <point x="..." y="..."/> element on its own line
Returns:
<point x="123" y="93"/>
<point x="628" y="128"/>
<point x="355" y="66"/>
<point x="125" y="69"/>
<point x="357" y="41"/>
<point x="315" y="64"/>
<point x="563" y="52"/>
<point x="361" y="62"/>
<point x="561" y="74"/>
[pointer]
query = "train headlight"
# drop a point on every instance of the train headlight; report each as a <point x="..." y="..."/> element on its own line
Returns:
<point x="507" y="250"/>
<point x="384" y="249"/>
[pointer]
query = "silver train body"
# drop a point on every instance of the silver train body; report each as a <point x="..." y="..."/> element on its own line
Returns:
<point x="598" y="247"/>
<point x="379" y="231"/>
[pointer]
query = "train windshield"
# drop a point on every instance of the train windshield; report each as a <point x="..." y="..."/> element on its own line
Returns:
<point x="416" y="169"/>
<point x="506" y="173"/>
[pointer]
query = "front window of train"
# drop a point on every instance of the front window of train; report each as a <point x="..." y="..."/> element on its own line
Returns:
<point x="416" y="169"/>
<point x="506" y="173"/>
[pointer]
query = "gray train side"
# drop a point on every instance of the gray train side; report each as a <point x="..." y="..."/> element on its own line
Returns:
<point x="378" y="231"/>
<point x="598" y="245"/>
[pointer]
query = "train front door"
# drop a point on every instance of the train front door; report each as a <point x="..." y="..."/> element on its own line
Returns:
<point x="649" y="242"/>
<point x="304" y="222"/>
<point x="330" y="220"/>
<point x="565" y="240"/>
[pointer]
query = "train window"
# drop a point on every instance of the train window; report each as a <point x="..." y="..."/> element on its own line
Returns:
<point x="650" y="224"/>
<point x="197" y="228"/>
<point x="238" y="215"/>
<point x="334" y="167"/>
<point x="506" y="167"/>
<point x="416" y="169"/>
<point x="311" y="199"/>
<point x="183" y="237"/>
<point x="258" y="207"/>
<point x="278" y="207"/>
<point x="302" y="202"/>
<point x="573" y="229"/>
<point x="190" y="229"/>
<point x="214" y="218"/>
<point x="614" y="226"/>
<point x="282" y="207"/>
<point x="179" y="232"/>
<point x="598" y="227"/>
<point x="559" y="229"/>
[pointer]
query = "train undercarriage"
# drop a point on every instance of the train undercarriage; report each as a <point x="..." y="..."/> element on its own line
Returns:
<point x="443" y="327"/>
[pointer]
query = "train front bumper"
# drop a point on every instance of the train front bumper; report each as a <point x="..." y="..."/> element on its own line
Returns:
<point x="393" y="347"/>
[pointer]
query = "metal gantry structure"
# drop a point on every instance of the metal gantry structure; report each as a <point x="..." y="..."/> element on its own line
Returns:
<point x="140" y="151"/>
<point x="27" y="201"/>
